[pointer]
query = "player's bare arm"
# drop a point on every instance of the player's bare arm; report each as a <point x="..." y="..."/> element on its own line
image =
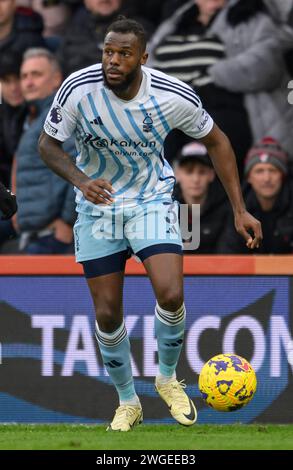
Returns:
<point x="52" y="153"/>
<point x="224" y="161"/>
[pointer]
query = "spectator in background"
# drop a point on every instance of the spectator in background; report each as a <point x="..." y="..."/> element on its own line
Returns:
<point x="20" y="28"/>
<point x="196" y="185"/>
<point x="153" y="10"/>
<point x="255" y="67"/>
<point x="83" y="42"/>
<point x="12" y="116"/>
<point x="12" y="113"/>
<point x="46" y="202"/>
<point x="183" y="47"/>
<point x="55" y="14"/>
<point x="175" y="46"/>
<point x="279" y="9"/>
<point x="269" y="197"/>
<point x="282" y="13"/>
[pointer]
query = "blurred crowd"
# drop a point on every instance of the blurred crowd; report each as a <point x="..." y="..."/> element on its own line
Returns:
<point x="236" y="54"/>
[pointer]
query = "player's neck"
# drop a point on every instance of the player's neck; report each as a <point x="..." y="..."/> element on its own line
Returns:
<point x="132" y="90"/>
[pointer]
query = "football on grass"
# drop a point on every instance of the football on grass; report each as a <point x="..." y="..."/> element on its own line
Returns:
<point x="227" y="382"/>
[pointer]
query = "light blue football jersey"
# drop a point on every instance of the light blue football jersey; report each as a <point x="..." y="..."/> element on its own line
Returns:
<point x="122" y="141"/>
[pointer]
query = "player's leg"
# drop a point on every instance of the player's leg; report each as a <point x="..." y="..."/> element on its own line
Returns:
<point x="159" y="247"/>
<point x="103" y="258"/>
<point x="165" y="271"/>
<point x="157" y="242"/>
<point x="166" y="275"/>
<point x="106" y="291"/>
<point x="111" y="335"/>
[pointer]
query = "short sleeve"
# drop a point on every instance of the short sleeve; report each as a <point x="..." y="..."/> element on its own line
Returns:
<point x="60" y="122"/>
<point x="191" y="118"/>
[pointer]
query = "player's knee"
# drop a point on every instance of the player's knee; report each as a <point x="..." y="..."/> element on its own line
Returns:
<point x="108" y="320"/>
<point x="171" y="299"/>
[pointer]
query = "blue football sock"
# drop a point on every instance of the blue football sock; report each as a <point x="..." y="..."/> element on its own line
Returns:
<point x="115" y="351"/>
<point x="169" y="331"/>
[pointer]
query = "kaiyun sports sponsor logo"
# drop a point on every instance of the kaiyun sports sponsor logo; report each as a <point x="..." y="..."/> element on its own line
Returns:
<point x="99" y="142"/>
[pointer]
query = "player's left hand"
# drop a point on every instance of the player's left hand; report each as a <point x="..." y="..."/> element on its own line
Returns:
<point x="245" y="223"/>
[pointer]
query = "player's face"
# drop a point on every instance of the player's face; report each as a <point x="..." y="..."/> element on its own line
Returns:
<point x="122" y="60"/>
<point x="194" y="179"/>
<point x="266" y="180"/>
<point x="103" y="7"/>
<point x="7" y="8"/>
<point x="11" y="90"/>
<point x="39" y="78"/>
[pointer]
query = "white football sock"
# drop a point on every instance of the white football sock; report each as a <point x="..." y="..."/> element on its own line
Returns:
<point x="134" y="401"/>
<point x="163" y="379"/>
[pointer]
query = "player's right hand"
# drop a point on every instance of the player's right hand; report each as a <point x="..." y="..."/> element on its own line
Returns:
<point x="98" y="191"/>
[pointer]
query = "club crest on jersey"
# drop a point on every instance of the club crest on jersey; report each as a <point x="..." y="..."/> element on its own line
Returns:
<point x="148" y="123"/>
<point x="55" y="115"/>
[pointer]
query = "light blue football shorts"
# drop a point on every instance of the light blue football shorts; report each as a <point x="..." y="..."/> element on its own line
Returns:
<point x="104" y="241"/>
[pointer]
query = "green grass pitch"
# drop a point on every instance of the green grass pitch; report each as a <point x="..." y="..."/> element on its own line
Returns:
<point x="147" y="437"/>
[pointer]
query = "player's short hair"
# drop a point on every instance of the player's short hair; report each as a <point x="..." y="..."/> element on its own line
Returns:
<point x="42" y="52"/>
<point x="126" y="25"/>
